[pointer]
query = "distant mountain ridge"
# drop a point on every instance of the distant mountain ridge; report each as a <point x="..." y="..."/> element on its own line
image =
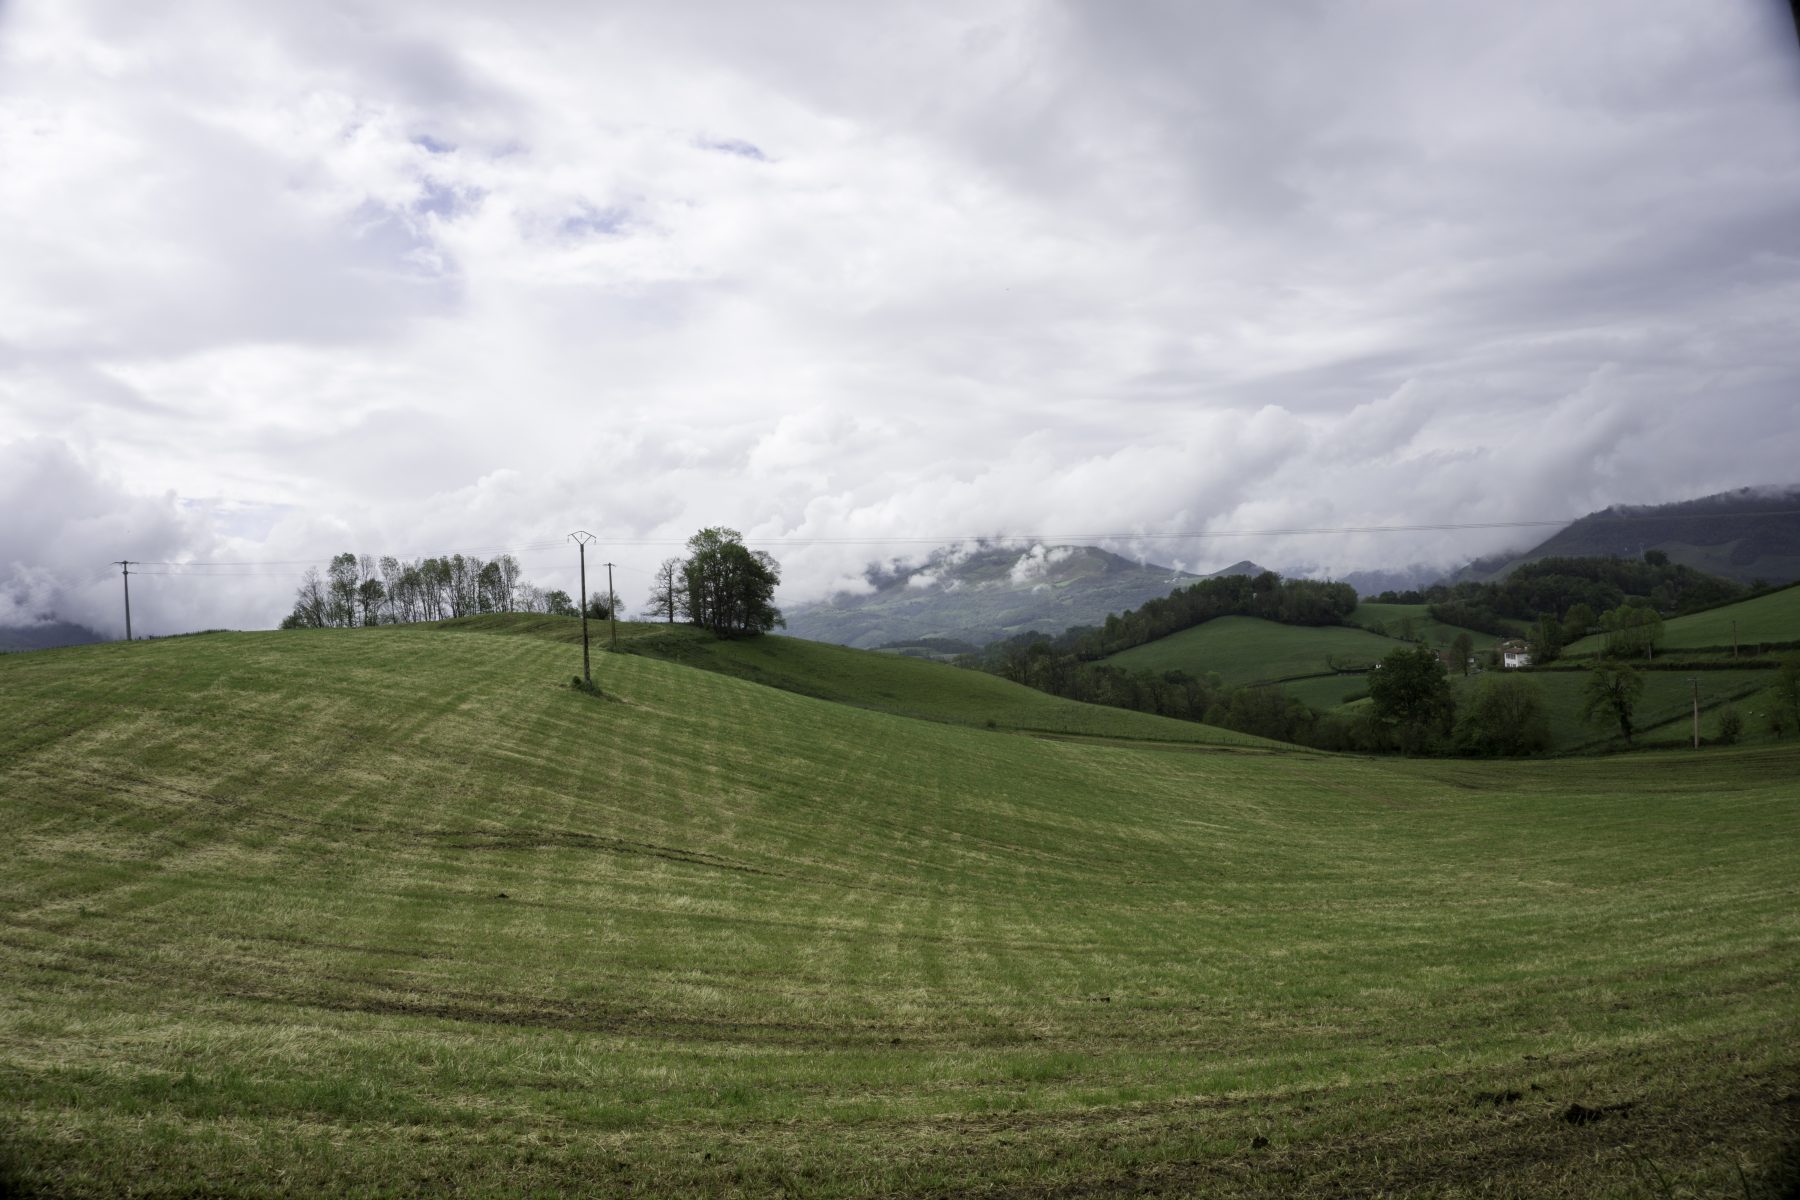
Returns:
<point x="1748" y="534"/>
<point x="46" y="635"/>
<point x="987" y="594"/>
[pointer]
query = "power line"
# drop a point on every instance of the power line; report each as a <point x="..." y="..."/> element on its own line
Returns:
<point x="248" y="566"/>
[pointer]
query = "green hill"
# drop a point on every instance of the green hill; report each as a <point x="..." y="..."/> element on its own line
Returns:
<point x="1410" y="621"/>
<point x="1251" y="650"/>
<point x="396" y="911"/>
<point x="907" y="687"/>
<point x="1770" y="619"/>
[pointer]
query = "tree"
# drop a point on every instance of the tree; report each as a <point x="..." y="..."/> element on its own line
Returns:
<point x="1631" y="629"/>
<point x="730" y="589"/>
<point x="1577" y="621"/>
<point x="343" y="577"/>
<point x="369" y="595"/>
<point x="1410" y="691"/>
<point x="602" y="605"/>
<point x="665" y="589"/>
<point x="310" y="603"/>
<point x="1546" y="640"/>
<point x="1504" y="716"/>
<point x="1611" y="695"/>
<point x="1462" y="648"/>
<point x="1784" y="697"/>
<point x="558" y="604"/>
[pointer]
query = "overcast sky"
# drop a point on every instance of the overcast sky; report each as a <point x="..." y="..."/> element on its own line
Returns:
<point x="280" y="279"/>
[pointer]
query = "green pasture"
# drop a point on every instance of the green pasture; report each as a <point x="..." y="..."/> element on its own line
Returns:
<point x="1251" y="650"/>
<point x="1415" y="621"/>
<point x="1770" y="618"/>
<point x="912" y="687"/>
<point x="1325" y="692"/>
<point x="396" y="911"/>
<point x="1667" y="701"/>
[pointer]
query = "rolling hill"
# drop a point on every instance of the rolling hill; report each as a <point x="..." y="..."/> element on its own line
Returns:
<point x="1771" y="619"/>
<point x="1242" y="650"/>
<point x="395" y="910"/>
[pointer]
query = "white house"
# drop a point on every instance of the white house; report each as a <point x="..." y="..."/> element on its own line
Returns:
<point x="1514" y="654"/>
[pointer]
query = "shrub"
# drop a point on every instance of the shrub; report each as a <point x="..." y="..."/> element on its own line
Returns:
<point x="1731" y="726"/>
<point x="1505" y="716"/>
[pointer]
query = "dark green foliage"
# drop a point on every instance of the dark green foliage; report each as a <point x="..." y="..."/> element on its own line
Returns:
<point x="1612" y="694"/>
<point x="1504" y="716"/>
<point x="1410" y="692"/>
<point x="1468" y="615"/>
<point x="727" y="587"/>
<point x="558" y="603"/>
<point x="1784" y="698"/>
<point x="1731" y="725"/>
<point x="1289" y="601"/>
<point x="1461" y="649"/>
<point x="1571" y="590"/>
<point x="1547" y="640"/>
<point x="1632" y="630"/>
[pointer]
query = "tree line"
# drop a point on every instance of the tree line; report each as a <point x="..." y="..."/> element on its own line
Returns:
<point x="1289" y="601"/>
<point x="721" y="585"/>
<point x="365" y="590"/>
<point x="1565" y="588"/>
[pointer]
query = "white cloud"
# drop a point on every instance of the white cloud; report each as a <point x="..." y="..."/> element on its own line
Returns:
<point x="286" y="279"/>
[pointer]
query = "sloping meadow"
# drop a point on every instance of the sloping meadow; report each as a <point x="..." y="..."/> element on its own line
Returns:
<point x="396" y="910"/>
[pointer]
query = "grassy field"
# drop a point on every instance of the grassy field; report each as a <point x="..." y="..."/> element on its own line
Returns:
<point x="1250" y="650"/>
<point x="1774" y="617"/>
<point x="891" y="683"/>
<point x="1664" y="712"/>
<point x="388" y="911"/>
<point x="1398" y="620"/>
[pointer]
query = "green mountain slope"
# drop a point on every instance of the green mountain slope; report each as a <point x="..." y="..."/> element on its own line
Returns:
<point x="396" y="911"/>
<point x="992" y="593"/>
<point x="1251" y="650"/>
<point x="1772" y="618"/>
<point x="1746" y="535"/>
<point x="1416" y="621"/>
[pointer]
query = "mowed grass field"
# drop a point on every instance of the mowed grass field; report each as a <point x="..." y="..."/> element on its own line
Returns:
<point x="388" y="911"/>
<point x="1245" y="650"/>
<point x="890" y="683"/>
<point x="1770" y="618"/>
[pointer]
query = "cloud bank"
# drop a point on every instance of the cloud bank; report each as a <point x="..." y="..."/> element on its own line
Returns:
<point x="287" y="279"/>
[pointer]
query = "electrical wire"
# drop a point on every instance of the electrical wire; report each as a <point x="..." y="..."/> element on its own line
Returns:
<point x="250" y="568"/>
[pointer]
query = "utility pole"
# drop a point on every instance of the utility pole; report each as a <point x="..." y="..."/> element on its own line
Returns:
<point x="125" y="565"/>
<point x="1694" y="681"/>
<point x="612" y="607"/>
<point x="581" y="538"/>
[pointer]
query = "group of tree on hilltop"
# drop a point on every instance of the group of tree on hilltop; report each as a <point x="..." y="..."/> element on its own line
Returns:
<point x="721" y="585"/>
<point x="364" y="590"/>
